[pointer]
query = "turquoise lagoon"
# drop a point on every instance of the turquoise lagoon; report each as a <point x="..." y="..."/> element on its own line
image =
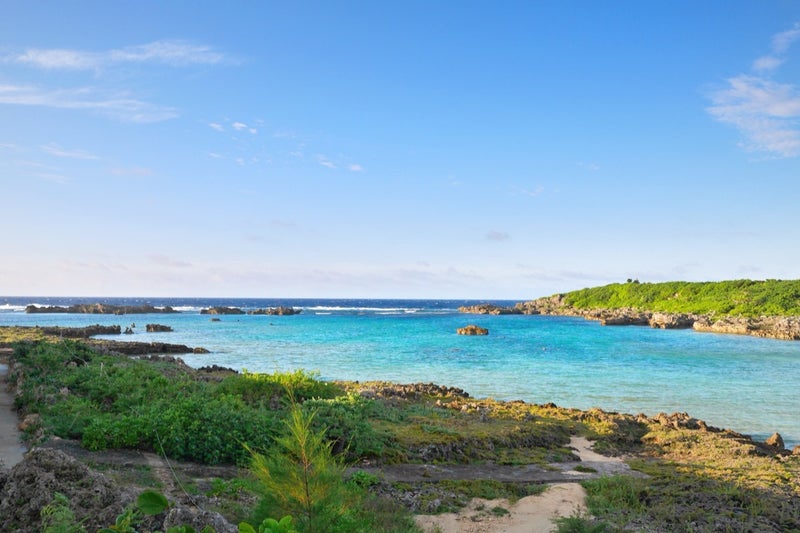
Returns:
<point x="746" y="384"/>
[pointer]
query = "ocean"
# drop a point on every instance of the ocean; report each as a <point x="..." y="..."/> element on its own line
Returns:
<point x="746" y="384"/>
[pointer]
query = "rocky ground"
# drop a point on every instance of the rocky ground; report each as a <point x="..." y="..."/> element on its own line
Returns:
<point x="101" y="484"/>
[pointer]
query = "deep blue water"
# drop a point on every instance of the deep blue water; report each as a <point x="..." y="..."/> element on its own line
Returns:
<point x="742" y="383"/>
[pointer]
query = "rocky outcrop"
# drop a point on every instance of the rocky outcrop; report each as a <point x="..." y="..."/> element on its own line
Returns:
<point x="784" y="328"/>
<point x="144" y="348"/>
<point x="489" y="309"/>
<point x="672" y="320"/>
<point x="472" y="329"/>
<point x="222" y="311"/>
<point x="81" y="333"/>
<point x="157" y="328"/>
<point x="100" y="309"/>
<point x="552" y="305"/>
<point x="280" y="310"/>
<point x="32" y="484"/>
<point x="774" y="327"/>
<point x="95" y="500"/>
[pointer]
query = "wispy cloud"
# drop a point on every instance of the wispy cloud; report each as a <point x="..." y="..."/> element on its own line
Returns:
<point x="172" y="53"/>
<point x="497" y="236"/>
<point x="325" y="162"/>
<point x="110" y="101"/>
<point x="536" y="191"/>
<point x="58" y="151"/>
<point x="594" y="167"/>
<point x="166" y="261"/>
<point x="241" y="126"/>
<point x="763" y="110"/>
<point x="355" y="168"/>
<point x="216" y="126"/>
<point x="137" y="172"/>
<point x="119" y="106"/>
<point x="52" y="177"/>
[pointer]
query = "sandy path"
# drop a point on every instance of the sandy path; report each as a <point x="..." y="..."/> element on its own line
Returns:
<point x="11" y="449"/>
<point x="533" y="514"/>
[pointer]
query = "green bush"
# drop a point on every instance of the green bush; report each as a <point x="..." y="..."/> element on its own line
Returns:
<point x="269" y="389"/>
<point x="345" y="421"/>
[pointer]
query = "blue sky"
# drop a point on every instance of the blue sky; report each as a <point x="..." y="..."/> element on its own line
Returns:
<point x="395" y="149"/>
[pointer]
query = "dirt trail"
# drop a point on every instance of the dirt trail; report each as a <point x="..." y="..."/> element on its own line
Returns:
<point x="533" y="514"/>
<point x="11" y="449"/>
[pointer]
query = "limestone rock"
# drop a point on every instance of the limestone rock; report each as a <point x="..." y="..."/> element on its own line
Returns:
<point x="280" y="310"/>
<point x="489" y="309"/>
<point x="100" y="309"/>
<point x="472" y="329"/>
<point x="776" y="441"/>
<point x="31" y="485"/>
<point x="222" y="311"/>
<point x="157" y="328"/>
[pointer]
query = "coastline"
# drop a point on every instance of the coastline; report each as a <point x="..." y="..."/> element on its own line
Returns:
<point x="772" y="327"/>
<point x="444" y="438"/>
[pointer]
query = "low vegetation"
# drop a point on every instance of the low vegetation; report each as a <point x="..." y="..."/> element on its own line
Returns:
<point x="745" y="298"/>
<point x="295" y="444"/>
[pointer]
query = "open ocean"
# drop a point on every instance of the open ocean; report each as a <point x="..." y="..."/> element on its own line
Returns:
<point x="742" y="383"/>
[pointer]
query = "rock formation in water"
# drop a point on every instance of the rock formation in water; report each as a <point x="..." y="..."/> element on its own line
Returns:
<point x="775" y="327"/>
<point x="100" y="309"/>
<point x="472" y="329"/>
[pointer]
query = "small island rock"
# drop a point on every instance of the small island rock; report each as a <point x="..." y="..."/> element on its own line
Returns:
<point x="472" y="329"/>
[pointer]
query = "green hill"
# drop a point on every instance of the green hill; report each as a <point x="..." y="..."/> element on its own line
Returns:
<point x="746" y="298"/>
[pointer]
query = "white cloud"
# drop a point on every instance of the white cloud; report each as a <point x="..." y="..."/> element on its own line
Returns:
<point x="173" y="53"/>
<point x="355" y="168"/>
<point x="118" y="106"/>
<point x="58" y="151"/>
<point x="241" y="126"/>
<point x="782" y="41"/>
<point x="215" y="126"/>
<point x="765" y="111"/>
<point x="767" y="63"/>
<point x="325" y="162"/>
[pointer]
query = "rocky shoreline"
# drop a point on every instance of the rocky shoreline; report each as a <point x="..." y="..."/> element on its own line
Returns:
<point x="773" y="327"/>
<point x="122" y="347"/>
<point x="100" y="309"/>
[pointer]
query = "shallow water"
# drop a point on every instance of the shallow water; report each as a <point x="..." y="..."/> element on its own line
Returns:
<point x="742" y="383"/>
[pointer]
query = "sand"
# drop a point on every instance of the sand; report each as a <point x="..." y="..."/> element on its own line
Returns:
<point x="533" y="514"/>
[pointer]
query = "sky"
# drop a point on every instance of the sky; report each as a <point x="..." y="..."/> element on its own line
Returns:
<point x="407" y="149"/>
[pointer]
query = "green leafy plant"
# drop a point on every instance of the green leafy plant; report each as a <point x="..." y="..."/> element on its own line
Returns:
<point x="57" y="517"/>
<point x="270" y="525"/>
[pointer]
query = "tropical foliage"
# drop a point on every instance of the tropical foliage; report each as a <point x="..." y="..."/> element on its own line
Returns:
<point x="739" y="297"/>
